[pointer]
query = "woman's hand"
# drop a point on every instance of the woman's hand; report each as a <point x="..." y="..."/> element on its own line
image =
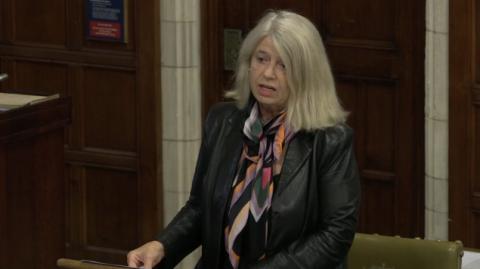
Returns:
<point x="148" y="255"/>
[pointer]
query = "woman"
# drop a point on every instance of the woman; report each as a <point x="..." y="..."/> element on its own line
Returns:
<point x="276" y="183"/>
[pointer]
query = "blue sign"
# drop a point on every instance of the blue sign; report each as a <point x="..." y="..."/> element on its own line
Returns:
<point x="106" y="20"/>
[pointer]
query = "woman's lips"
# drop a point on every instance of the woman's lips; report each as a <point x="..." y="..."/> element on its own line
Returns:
<point x="265" y="90"/>
<point x="268" y="87"/>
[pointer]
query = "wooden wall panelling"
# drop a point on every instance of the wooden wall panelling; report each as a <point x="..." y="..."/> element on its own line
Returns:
<point x="101" y="200"/>
<point x="372" y="103"/>
<point x="463" y="125"/>
<point x="6" y="22"/>
<point x="75" y="134"/>
<point x="94" y="57"/>
<point x="2" y="70"/>
<point x="378" y="47"/>
<point x="473" y="181"/>
<point x="3" y="200"/>
<point x="238" y="18"/>
<point x="473" y="227"/>
<point x="475" y="132"/>
<point x="34" y="76"/>
<point x="39" y="22"/>
<point x="476" y="158"/>
<point x="75" y="48"/>
<point x="344" y="21"/>
<point x="111" y="127"/>
<point x="148" y="82"/>
<point x="75" y="209"/>
<point x="212" y="61"/>
<point x="377" y="214"/>
<point x="106" y="142"/>
<point x="2" y="22"/>
<point x="411" y="124"/>
<point x="3" y="168"/>
<point x="32" y="145"/>
<point x="74" y="24"/>
<point x="380" y="126"/>
<point x="7" y="67"/>
<point x="376" y="52"/>
<point x="461" y="45"/>
<point x="26" y="222"/>
<point x="40" y="77"/>
<point x="113" y="146"/>
<point x="257" y="8"/>
<point x="417" y="72"/>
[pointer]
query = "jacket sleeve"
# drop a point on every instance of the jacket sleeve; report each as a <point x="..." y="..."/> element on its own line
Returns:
<point x="339" y="194"/>
<point x="183" y="234"/>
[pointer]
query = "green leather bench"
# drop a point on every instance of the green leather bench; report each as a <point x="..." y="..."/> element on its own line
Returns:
<point x="388" y="252"/>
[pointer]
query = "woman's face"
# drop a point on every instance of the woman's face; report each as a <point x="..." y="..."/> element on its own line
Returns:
<point x="268" y="78"/>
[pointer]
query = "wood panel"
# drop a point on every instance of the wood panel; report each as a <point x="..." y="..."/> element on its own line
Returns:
<point x="375" y="190"/>
<point x="38" y="22"/>
<point x="475" y="232"/>
<point x="112" y="170"/>
<point x="109" y="127"/>
<point x="38" y="76"/>
<point x="376" y="52"/>
<point x="464" y="124"/>
<point x="31" y="184"/>
<point x="475" y="185"/>
<point x="120" y="231"/>
<point x="32" y="198"/>
<point x="257" y="8"/>
<point x="380" y="134"/>
<point x="343" y="20"/>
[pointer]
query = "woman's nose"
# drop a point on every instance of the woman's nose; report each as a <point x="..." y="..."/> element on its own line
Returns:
<point x="269" y="71"/>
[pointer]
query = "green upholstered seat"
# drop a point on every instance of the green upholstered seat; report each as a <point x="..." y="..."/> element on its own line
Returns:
<point x="388" y="252"/>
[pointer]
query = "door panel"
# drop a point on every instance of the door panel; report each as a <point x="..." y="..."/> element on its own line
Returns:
<point x="109" y="128"/>
<point x="45" y="77"/>
<point x="38" y="22"/>
<point x="464" y="124"/>
<point x="120" y="231"/>
<point x="346" y="20"/>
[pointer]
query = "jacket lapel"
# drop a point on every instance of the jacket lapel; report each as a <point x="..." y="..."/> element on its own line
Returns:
<point x="230" y="145"/>
<point x="230" y="156"/>
<point x="298" y="151"/>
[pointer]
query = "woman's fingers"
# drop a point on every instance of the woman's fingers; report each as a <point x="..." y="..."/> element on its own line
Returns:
<point x="148" y="255"/>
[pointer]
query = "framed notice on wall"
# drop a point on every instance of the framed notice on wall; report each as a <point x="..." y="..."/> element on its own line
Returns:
<point x="106" y="20"/>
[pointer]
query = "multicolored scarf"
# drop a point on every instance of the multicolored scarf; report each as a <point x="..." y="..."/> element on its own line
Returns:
<point x="253" y="185"/>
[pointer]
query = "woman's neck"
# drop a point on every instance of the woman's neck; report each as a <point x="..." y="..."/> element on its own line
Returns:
<point x="267" y="113"/>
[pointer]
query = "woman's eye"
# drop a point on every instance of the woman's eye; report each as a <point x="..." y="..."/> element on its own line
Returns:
<point x="282" y="66"/>
<point x="261" y="59"/>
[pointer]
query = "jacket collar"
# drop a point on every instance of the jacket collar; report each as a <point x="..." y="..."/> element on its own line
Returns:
<point x="230" y="155"/>
<point x="298" y="151"/>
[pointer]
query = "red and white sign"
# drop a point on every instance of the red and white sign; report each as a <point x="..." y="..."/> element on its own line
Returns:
<point x="105" y="29"/>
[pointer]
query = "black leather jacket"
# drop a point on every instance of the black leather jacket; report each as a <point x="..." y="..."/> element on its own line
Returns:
<point x="314" y="207"/>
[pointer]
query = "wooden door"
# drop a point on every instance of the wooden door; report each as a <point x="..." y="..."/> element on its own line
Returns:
<point x="112" y="166"/>
<point x="464" y="123"/>
<point x="376" y="49"/>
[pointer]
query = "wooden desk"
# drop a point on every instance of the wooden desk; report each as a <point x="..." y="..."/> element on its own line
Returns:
<point x="32" y="210"/>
